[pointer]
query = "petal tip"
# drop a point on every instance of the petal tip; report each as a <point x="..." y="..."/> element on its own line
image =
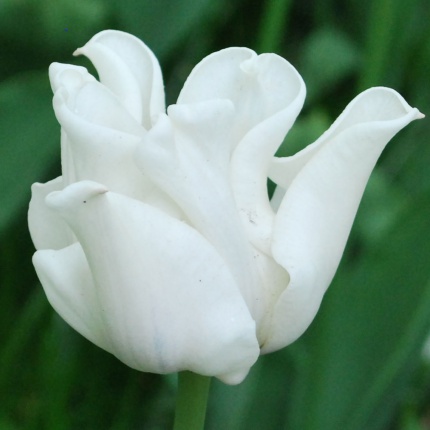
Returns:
<point x="79" y="192"/>
<point x="233" y="378"/>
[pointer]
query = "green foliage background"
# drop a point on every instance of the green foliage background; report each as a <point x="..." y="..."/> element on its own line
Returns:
<point x="362" y="364"/>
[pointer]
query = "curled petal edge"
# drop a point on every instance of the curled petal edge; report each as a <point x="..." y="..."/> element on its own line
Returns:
<point x="130" y="69"/>
<point x="316" y="214"/>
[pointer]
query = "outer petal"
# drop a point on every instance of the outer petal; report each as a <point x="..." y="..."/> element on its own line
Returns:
<point x="129" y="68"/>
<point x="374" y="104"/>
<point x="169" y="301"/>
<point x="47" y="229"/>
<point x="184" y="155"/>
<point x="69" y="286"/>
<point x="98" y="135"/>
<point x="316" y="214"/>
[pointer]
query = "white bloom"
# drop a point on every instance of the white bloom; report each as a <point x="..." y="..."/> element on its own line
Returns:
<point x="159" y="243"/>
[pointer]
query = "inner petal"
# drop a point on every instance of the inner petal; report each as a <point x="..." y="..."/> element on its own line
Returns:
<point x="177" y="157"/>
<point x="128" y="68"/>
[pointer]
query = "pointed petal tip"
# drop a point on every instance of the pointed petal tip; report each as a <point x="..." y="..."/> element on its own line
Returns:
<point x="78" y="192"/>
<point x="82" y="49"/>
<point x="100" y="35"/>
<point x="412" y="111"/>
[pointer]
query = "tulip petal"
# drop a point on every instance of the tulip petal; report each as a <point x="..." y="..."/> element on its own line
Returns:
<point x="259" y="86"/>
<point x="99" y="137"/>
<point x="89" y="99"/>
<point x="95" y="151"/>
<point x="128" y="68"/>
<point x="220" y="76"/>
<point x="69" y="287"/>
<point x="69" y="77"/>
<point x="316" y="214"/>
<point x="189" y="169"/>
<point x="374" y="104"/>
<point x="203" y="130"/>
<point x="267" y="93"/>
<point x="47" y="229"/>
<point x="253" y="155"/>
<point x="169" y="301"/>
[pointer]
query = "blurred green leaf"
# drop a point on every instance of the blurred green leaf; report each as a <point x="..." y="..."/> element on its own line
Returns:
<point x="26" y="326"/>
<point x="304" y="132"/>
<point x="251" y="405"/>
<point x="59" y="354"/>
<point x="67" y="24"/>
<point x="7" y="425"/>
<point x="410" y="161"/>
<point x="410" y="421"/>
<point x="273" y="25"/>
<point x="164" y="24"/>
<point x="34" y="33"/>
<point x="380" y="209"/>
<point x="29" y="140"/>
<point x="328" y="57"/>
<point x="369" y="333"/>
<point x="380" y="32"/>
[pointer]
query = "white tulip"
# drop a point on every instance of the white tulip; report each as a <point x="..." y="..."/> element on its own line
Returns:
<point x="159" y="243"/>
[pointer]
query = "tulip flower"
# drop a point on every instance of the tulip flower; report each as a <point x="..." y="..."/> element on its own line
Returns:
<point x="159" y="242"/>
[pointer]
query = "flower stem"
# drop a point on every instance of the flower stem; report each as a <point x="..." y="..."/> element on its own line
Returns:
<point x="191" y="402"/>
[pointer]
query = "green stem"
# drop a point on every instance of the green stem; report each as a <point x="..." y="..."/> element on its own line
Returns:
<point x="191" y="402"/>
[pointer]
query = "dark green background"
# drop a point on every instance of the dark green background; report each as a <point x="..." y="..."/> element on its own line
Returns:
<point x="361" y="364"/>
